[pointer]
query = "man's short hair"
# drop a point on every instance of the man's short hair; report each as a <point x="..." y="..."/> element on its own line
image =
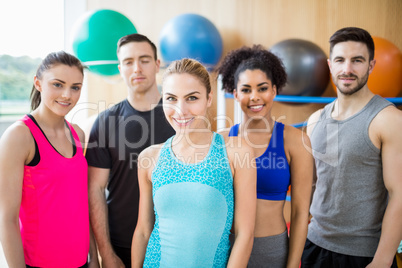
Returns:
<point x="353" y="34"/>
<point x="136" y="38"/>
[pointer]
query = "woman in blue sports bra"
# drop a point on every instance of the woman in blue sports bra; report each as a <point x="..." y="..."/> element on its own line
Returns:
<point x="191" y="188"/>
<point x="254" y="75"/>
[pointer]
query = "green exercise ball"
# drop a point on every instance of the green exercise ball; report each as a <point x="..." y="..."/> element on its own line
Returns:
<point x="94" y="39"/>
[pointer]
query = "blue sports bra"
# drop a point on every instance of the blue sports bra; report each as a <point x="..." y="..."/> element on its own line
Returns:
<point x="273" y="173"/>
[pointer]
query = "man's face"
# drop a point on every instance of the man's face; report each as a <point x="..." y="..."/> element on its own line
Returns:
<point x="350" y="66"/>
<point x="138" y="66"/>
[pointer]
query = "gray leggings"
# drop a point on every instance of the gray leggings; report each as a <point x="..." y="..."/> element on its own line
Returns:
<point x="270" y="251"/>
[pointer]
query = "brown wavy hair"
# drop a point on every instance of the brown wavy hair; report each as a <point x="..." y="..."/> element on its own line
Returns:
<point x="51" y="60"/>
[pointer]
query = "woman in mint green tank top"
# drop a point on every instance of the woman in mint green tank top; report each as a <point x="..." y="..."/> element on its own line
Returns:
<point x="193" y="189"/>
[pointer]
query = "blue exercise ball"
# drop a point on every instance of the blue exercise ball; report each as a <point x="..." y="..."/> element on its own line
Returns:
<point x="95" y="35"/>
<point x="191" y="36"/>
<point x="306" y="67"/>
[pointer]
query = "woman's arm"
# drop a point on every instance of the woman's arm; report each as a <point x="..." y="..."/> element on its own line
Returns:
<point x="245" y="193"/>
<point x="17" y="149"/>
<point x="93" y="260"/>
<point x="146" y="216"/>
<point x="297" y="144"/>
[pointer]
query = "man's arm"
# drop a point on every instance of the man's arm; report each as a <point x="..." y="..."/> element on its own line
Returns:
<point x="97" y="181"/>
<point x="389" y="126"/>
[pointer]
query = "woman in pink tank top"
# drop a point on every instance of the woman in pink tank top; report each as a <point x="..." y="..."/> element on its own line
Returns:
<point x="44" y="218"/>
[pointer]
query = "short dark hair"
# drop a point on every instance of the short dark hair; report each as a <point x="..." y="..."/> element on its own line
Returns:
<point x="51" y="60"/>
<point x="352" y="34"/>
<point x="136" y="38"/>
<point x="251" y="58"/>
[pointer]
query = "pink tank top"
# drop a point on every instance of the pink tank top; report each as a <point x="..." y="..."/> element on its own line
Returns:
<point x="54" y="216"/>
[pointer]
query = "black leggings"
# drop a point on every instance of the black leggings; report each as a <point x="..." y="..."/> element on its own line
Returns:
<point x="317" y="257"/>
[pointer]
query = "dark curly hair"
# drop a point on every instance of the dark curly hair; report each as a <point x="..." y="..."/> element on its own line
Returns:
<point x="251" y="58"/>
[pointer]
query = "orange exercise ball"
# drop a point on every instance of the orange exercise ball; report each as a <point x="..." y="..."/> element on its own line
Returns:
<point x="386" y="78"/>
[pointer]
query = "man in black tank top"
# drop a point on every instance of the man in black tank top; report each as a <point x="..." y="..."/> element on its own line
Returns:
<point x="356" y="144"/>
<point x="118" y="136"/>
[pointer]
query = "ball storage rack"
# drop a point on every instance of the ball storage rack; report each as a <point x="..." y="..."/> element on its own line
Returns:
<point x="288" y="99"/>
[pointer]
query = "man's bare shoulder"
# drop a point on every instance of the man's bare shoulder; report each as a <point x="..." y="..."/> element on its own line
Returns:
<point x="388" y="119"/>
<point x="390" y="111"/>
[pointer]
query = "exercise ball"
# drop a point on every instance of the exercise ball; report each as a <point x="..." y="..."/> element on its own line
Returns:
<point x="94" y="39"/>
<point x="386" y="77"/>
<point x="191" y="36"/>
<point x="306" y="67"/>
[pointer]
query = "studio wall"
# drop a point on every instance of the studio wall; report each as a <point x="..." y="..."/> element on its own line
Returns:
<point x="247" y="22"/>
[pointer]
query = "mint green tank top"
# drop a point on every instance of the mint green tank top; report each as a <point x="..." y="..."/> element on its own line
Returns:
<point x="193" y="206"/>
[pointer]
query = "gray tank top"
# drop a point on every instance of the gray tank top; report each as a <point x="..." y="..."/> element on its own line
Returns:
<point x="350" y="197"/>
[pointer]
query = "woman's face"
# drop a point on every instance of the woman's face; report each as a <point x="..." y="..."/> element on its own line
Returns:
<point x="185" y="102"/>
<point x="255" y="93"/>
<point x="60" y="88"/>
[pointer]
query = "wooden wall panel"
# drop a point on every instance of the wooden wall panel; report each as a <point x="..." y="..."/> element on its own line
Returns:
<point x="266" y="22"/>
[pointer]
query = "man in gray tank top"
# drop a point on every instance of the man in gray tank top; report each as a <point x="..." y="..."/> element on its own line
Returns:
<point x="357" y="147"/>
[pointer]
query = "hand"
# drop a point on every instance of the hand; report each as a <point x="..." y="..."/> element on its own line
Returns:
<point x="94" y="263"/>
<point x="378" y="264"/>
<point x="93" y="259"/>
<point x="112" y="261"/>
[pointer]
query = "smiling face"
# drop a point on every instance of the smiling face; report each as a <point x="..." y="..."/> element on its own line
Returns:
<point x="255" y="93"/>
<point x="350" y="66"/>
<point x="185" y="102"/>
<point x="138" y="66"/>
<point x="60" y="88"/>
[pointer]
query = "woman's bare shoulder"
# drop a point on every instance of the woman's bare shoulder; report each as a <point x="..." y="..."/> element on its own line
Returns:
<point x="17" y="139"/>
